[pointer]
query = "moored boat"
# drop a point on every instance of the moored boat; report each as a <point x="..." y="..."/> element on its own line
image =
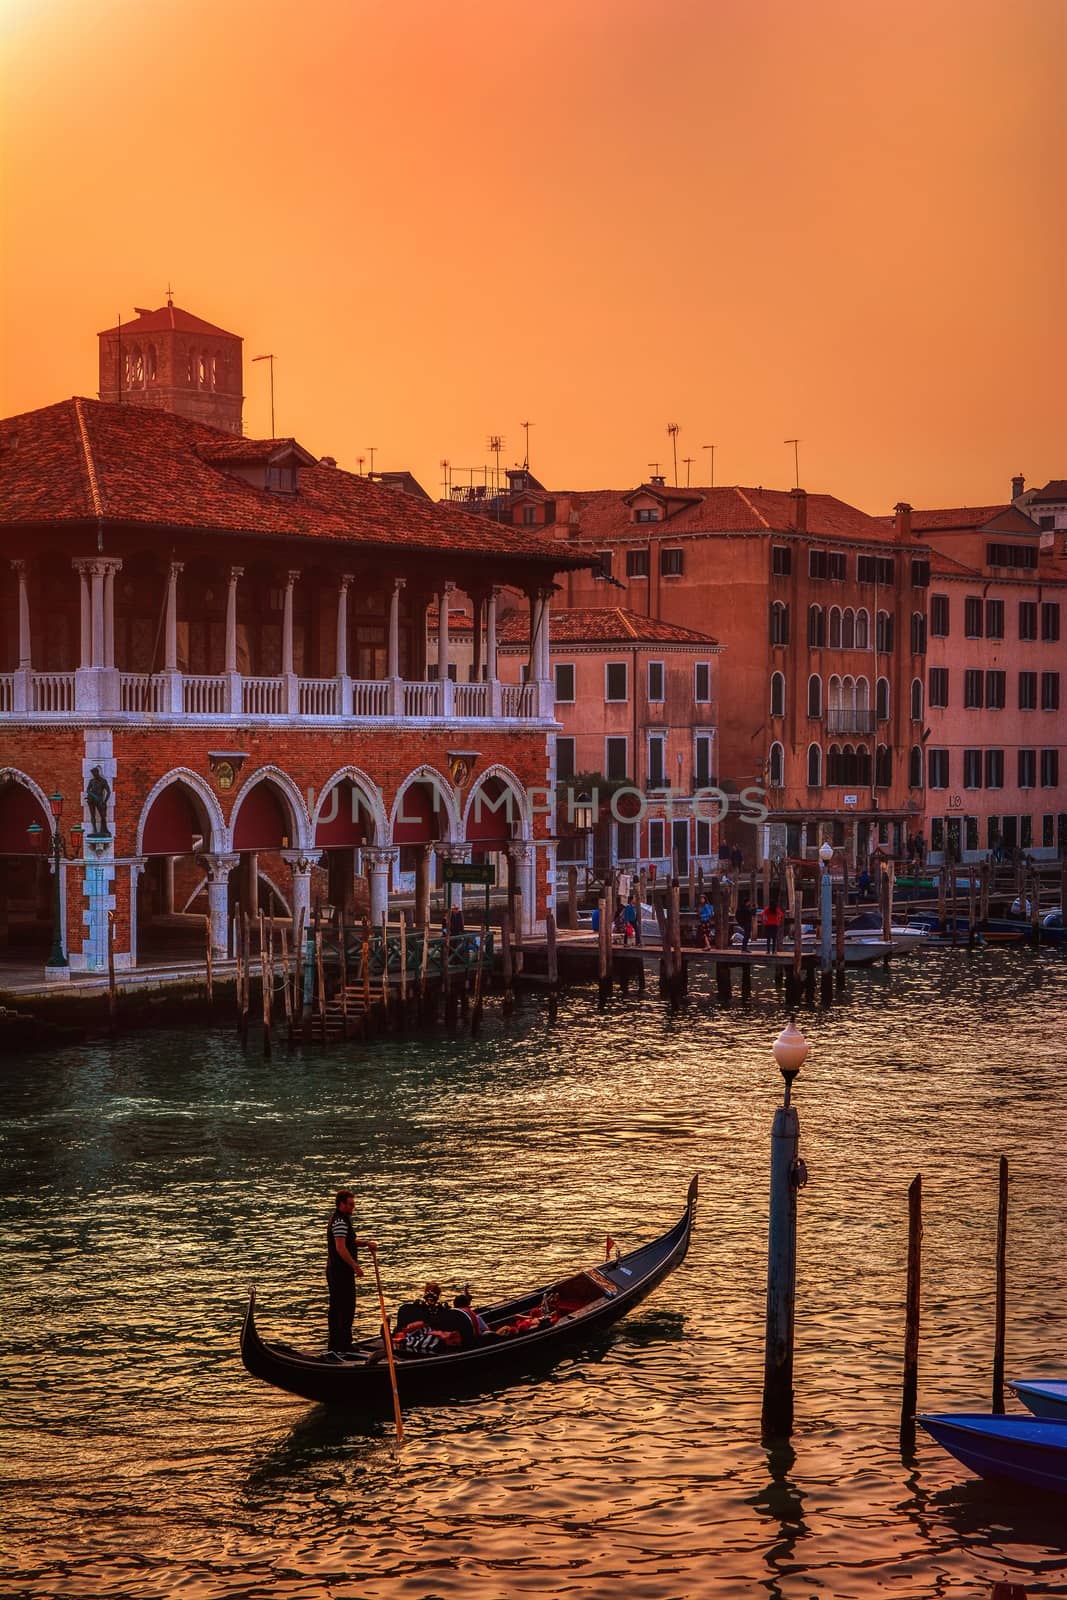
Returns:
<point x="1045" y="1397"/>
<point x="589" y="1301"/>
<point x="1024" y="1450"/>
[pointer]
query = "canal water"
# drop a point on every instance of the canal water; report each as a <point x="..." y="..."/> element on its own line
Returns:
<point x="146" y="1184"/>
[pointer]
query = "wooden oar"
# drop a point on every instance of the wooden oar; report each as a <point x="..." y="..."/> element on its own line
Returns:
<point x="387" y="1337"/>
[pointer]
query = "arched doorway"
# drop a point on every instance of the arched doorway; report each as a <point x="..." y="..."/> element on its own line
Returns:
<point x="422" y="815"/>
<point x="25" y="877"/>
<point x="264" y="825"/>
<point x="497" y="817"/>
<point x="172" y="902"/>
<point x="345" y="822"/>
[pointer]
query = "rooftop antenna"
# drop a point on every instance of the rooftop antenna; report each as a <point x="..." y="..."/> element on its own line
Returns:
<point x="270" y="358"/>
<point x="359" y="463"/>
<point x="687" y="462"/>
<point x="372" y="448"/>
<point x="711" y="447"/>
<point x="446" y="481"/>
<point x="672" y="429"/>
<point x="796" y="458"/>
<point x="526" y="426"/>
<point x="653" y="467"/>
<point x="495" y="443"/>
<point x="120" y="358"/>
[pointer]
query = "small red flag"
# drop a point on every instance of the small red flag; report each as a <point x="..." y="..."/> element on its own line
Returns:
<point x="609" y="1245"/>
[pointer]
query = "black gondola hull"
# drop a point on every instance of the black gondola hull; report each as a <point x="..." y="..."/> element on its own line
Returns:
<point x="365" y="1386"/>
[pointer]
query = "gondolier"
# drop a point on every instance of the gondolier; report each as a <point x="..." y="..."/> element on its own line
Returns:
<point x="342" y="1270"/>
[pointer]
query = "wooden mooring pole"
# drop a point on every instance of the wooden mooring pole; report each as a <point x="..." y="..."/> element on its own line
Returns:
<point x="551" y="962"/>
<point x="1002" y="1288"/>
<point x="112" y="991"/>
<point x="209" y="971"/>
<point x="264" y="986"/>
<point x="287" y="992"/>
<point x="909" y="1399"/>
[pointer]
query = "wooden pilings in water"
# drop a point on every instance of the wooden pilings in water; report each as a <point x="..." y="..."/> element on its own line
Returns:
<point x="909" y="1399"/>
<point x="1000" y="1312"/>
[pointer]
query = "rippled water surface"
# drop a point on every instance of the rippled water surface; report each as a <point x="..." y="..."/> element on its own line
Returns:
<point x="146" y="1184"/>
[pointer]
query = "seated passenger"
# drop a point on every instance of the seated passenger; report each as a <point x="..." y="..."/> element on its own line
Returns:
<point x="423" y="1310"/>
<point x="462" y="1303"/>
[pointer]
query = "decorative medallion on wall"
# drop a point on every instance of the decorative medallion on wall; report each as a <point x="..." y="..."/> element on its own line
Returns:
<point x="226" y="764"/>
<point x="461" y="764"/>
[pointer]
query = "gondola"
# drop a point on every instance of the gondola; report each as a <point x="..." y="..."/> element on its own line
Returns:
<point x="589" y="1302"/>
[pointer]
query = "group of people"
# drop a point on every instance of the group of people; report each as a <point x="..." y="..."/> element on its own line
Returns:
<point x="772" y="920"/>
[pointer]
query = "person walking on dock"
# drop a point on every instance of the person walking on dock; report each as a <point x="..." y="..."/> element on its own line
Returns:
<point x="342" y="1270"/>
<point x="744" y="917"/>
<point x="773" y="918"/>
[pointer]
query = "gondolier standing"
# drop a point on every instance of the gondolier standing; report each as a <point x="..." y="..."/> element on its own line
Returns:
<point x="342" y="1270"/>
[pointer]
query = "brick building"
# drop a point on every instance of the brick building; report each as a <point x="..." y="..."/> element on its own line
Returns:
<point x="821" y="610"/>
<point x="234" y="633"/>
<point x="995" y="750"/>
<point x="173" y="361"/>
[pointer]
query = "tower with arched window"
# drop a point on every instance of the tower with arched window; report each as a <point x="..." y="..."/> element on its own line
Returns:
<point x="174" y="361"/>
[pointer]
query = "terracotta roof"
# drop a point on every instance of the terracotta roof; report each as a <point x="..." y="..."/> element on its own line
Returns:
<point x="85" y="460"/>
<point x="949" y="568"/>
<point x="251" y="450"/>
<point x="1055" y="489"/>
<point x="960" y="518"/>
<point x="602" y="625"/>
<point x="168" y="316"/>
<point x="605" y="514"/>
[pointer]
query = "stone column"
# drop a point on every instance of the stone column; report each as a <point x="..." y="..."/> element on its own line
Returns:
<point x="230" y="667"/>
<point x="96" y="576"/>
<point x="444" y="652"/>
<point x="291" y="688"/>
<point x="300" y="863"/>
<point x="344" y="583"/>
<point x="446" y="850"/>
<point x="172" y="678"/>
<point x="378" y="862"/>
<point x="109" y="611"/>
<point x="523" y="858"/>
<point x="23" y="693"/>
<point x="393" y="665"/>
<point x="86" y="651"/>
<point x="218" y="869"/>
<point x="478" y="650"/>
<point x="495" y="698"/>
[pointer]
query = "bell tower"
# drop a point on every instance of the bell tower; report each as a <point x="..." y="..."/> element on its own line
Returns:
<point x="174" y="361"/>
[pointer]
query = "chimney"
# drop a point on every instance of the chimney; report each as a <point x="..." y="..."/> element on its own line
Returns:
<point x="658" y="479"/>
<point x="799" y="498"/>
<point x="1018" y="486"/>
<point x="902" y="522"/>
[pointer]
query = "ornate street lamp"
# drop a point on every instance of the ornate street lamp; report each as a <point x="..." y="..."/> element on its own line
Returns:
<point x="56" y="958"/>
<point x="790" y="1050"/>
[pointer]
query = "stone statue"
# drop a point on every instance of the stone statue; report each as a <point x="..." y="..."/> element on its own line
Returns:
<point x="98" y="793"/>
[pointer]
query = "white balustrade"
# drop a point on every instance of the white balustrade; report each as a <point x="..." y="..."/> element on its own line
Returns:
<point x="370" y="698"/>
<point x="471" y="699"/>
<point x="141" y="691"/>
<point x="319" y="697"/>
<point x="263" y="697"/>
<point x="517" y="699"/>
<point x="53" y="691"/>
<point x="204" y="696"/>
<point x="422" y="699"/>
<point x="7" y="691"/>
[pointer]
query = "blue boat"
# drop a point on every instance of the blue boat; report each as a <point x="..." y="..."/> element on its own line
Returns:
<point x="1026" y="1450"/>
<point x="1045" y="1397"/>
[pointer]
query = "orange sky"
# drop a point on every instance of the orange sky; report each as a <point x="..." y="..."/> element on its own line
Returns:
<point x="843" y="219"/>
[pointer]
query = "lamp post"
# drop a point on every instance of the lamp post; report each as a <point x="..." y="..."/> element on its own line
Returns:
<point x="56" y="958"/>
<point x="788" y="1174"/>
<point x="826" y="908"/>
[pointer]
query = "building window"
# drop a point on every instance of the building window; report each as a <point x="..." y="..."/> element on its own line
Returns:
<point x="637" y="563"/>
<point x="671" y="563"/>
<point x="920" y="573"/>
<point x="781" y="560"/>
<point x="994" y="769"/>
<point x="655" y="680"/>
<point x="657" y="750"/>
<point x="1017" y="556"/>
<point x="702" y="761"/>
<point x="1027" y="768"/>
<point x="615" y="681"/>
<point x="883" y="767"/>
<point x="615" y="762"/>
<point x="1026" y="832"/>
<point x="915" y="767"/>
<point x="702" y="685"/>
<point x="994" y="619"/>
<point x="564" y="757"/>
<point x="1050" y="691"/>
<point x="778" y="694"/>
<point x="972" y="617"/>
<point x="992" y="832"/>
<point x="881" y="700"/>
<point x="875" y="569"/>
<point x="626" y="841"/>
<point x="1028" y="691"/>
<point x="656" y="839"/>
<point x="918" y="634"/>
<point x="816" y="628"/>
<point x="1050" y="769"/>
<point x="564" y="672"/>
<point x="814" y="695"/>
<point x="1050" y="620"/>
<point x="703" y="838"/>
<point x="1048" y="830"/>
<point x="972" y="769"/>
<point x="883" y="632"/>
<point x="834" y="632"/>
<point x="973" y="682"/>
<point x="938" y="769"/>
<point x="938" y="678"/>
<point x="826" y="564"/>
<point x="603" y="564"/>
<point x="995" y="690"/>
<point x="1027" y="619"/>
<point x="916" y="699"/>
<point x="529" y="516"/>
<point x="937" y="833"/>
<point x="776" y="766"/>
<point x="647" y="514"/>
<point x="814" y="766"/>
<point x="848" y="629"/>
<point x="863" y="630"/>
<point x="779" y="623"/>
<point x="939" y="616"/>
